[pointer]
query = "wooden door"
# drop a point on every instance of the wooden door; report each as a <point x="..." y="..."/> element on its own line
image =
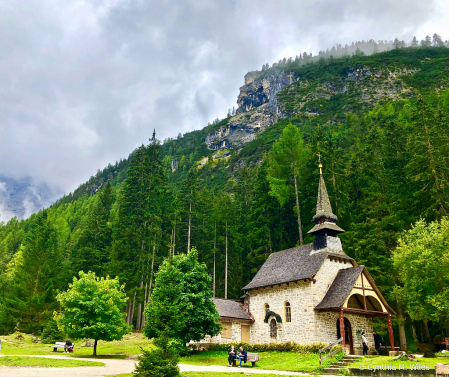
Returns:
<point x="245" y="334"/>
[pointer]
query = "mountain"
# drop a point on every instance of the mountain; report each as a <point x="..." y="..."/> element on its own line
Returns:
<point x="310" y="92"/>
<point x="378" y="121"/>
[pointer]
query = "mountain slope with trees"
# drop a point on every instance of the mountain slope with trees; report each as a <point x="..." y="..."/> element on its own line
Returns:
<point x="378" y="121"/>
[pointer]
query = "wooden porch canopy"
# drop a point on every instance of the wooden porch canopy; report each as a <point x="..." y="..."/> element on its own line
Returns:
<point x="354" y="291"/>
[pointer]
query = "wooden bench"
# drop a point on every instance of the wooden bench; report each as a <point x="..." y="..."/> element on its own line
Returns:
<point x="60" y="345"/>
<point x="253" y="357"/>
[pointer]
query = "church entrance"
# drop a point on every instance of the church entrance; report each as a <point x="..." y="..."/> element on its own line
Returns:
<point x="348" y="334"/>
<point x="273" y="329"/>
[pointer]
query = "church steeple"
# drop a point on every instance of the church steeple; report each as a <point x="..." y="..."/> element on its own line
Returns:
<point x="323" y="204"/>
<point x="325" y="230"/>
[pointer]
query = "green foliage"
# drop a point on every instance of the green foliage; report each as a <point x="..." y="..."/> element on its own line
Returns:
<point x="422" y="261"/>
<point x="271" y="347"/>
<point x="92" y="308"/>
<point x="33" y="276"/>
<point x="385" y="154"/>
<point x="286" y="162"/>
<point x="157" y="363"/>
<point x="181" y="307"/>
<point x="51" y="333"/>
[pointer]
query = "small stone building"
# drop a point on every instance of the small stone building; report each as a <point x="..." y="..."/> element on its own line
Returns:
<point x="307" y="294"/>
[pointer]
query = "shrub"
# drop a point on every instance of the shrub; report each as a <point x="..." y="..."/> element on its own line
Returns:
<point x="51" y="333"/>
<point x="157" y="363"/>
<point x="271" y="347"/>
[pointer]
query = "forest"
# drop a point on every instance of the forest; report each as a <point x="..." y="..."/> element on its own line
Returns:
<point x="386" y="166"/>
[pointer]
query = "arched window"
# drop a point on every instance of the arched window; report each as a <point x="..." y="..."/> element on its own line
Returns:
<point x="266" y="309"/>
<point x="288" y="312"/>
<point x="273" y="329"/>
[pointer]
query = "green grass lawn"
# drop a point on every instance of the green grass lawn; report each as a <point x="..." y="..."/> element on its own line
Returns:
<point x="288" y="361"/>
<point x="21" y="361"/>
<point x="388" y="360"/>
<point x="212" y="374"/>
<point x="231" y="374"/>
<point x="23" y="344"/>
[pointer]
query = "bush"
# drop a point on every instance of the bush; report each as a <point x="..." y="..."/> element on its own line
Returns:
<point x="157" y="363"/>
<point x="271" y="347"/>
<point x="51" y="333"/>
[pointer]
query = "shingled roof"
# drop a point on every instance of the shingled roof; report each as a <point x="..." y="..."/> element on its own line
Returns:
<point x="230" y="309"/>
<point x="325" y="225"/>
<point x="323" y="204"/>
<point x="340" y="288"/>
<point x="288" y="266"/>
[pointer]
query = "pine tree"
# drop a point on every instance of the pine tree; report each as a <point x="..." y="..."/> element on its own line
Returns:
<point x="92" y="252"/>
<point x="286" y="161"/>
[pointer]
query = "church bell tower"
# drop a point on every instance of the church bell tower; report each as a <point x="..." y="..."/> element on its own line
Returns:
<point x="326" y="229"/>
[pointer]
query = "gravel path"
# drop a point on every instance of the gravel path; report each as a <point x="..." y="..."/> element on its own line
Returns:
<point x="117" y="366"/>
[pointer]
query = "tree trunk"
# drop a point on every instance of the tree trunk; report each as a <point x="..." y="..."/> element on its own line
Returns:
<point x="152" y="269"/>
<point x="128" y="316"/>
<point x="139" y="309"/>
<point x="401" y="324"/>
<point x="426" y="332"/>
<point x="215" y="248"/>
<point x="415" y="336"/>
<point x="434" y="170"/>
<point x="95" y="347"/>
<point x="226" y="264"/>
<point x="132" y="310"/>
<point x="174" y="238"/>
<point x="301" y="241"/>
<point x="190" y="224"/>
<point x="145" y="302"/>
<point x="334" y="182"/>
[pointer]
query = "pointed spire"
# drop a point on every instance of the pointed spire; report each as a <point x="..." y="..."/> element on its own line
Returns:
<point x="325" y="230"/>
<point x="323" y="204"/>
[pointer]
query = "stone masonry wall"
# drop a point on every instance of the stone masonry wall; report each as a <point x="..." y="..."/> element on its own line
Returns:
<point x="303" y="297"/>
<point x="327" y="329"/>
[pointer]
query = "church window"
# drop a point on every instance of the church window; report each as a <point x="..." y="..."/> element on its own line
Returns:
<point x="288" y="312"/>
<point x="273" y="329"/>
<point x="266" y="309"/>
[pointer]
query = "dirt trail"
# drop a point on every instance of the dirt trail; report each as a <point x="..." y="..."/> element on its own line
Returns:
<point x="118" y="366"/>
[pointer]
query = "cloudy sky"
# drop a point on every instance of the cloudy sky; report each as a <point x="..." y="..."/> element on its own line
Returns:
<point x="82" y="83"/>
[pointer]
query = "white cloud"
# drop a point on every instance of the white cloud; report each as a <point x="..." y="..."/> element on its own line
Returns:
<point x="82" y="83"/>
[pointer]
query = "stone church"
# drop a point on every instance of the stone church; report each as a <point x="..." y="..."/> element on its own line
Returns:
<point x="307" y="294"/>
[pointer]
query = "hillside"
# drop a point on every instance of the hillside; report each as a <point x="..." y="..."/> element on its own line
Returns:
<point x="379" y="121"/>
<point x="321" y="92"/>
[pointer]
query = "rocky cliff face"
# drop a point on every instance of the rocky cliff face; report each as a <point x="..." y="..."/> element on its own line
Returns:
<point x="258" y="108"/>
<point x="259" y="90"/>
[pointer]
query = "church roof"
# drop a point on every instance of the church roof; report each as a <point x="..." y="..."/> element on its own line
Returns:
<point x="323" y="204"/>
<point x="230" y="309"/>
<point x="325" y="225"/>
<point x="288" y="266"/>
<point x="340" y="288"/>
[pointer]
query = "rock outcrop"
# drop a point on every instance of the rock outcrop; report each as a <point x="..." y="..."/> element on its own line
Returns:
<point x="258" y="109"/>
<point x="260" y="89"/>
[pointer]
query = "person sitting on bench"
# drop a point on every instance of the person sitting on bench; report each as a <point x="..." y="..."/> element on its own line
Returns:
<point x="68" y="346"/>
<point x="242" y="355"/>
<point x="232" y="354"/>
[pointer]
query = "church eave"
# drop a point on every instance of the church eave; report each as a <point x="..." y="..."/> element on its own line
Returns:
<point x="325" y="225"/>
